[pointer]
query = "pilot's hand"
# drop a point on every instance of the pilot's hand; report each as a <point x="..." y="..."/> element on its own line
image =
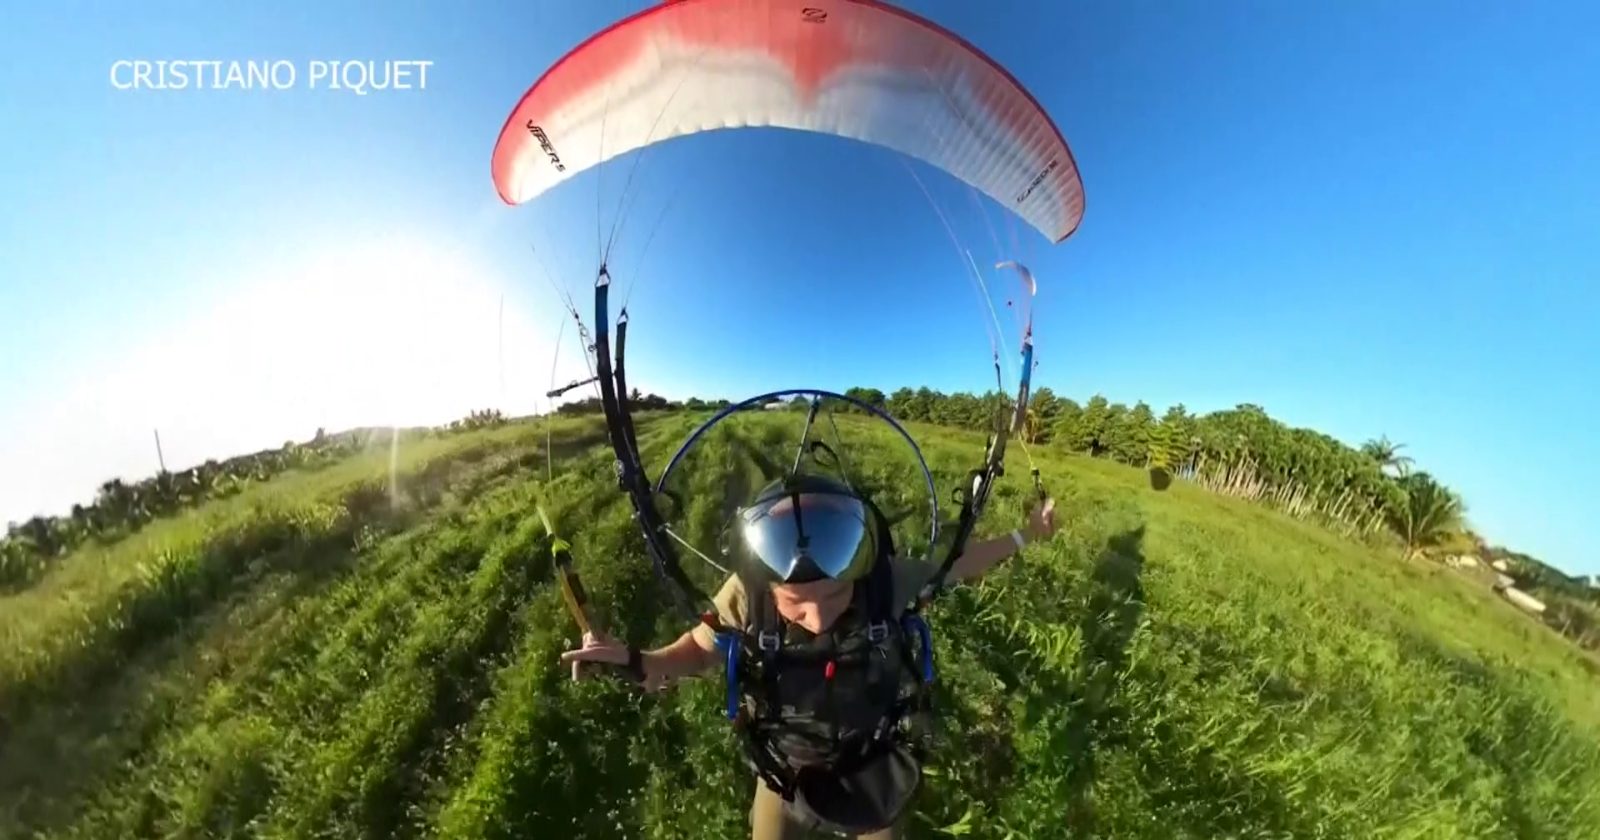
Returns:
<point x="597" y="648"/>
<point x="1041" y="522"/>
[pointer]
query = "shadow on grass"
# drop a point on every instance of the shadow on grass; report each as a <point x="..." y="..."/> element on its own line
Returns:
<point x="464" y="682"/>
<point x="770" y="469"/>
<point x="1160" y="478"/>
<point x="64" y="748"/>
<point x="586" y="780"/>
<point x="1115" y="602"/>
<point x="1513" y="736"/>
<point x="93" y="713"/>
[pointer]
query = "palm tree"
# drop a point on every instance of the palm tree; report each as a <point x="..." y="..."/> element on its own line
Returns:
<point x="1032" y="425"/>
<point x="1387" y="454"/>
<point x="1426" y="515"/>
<point x="114" y="498"/>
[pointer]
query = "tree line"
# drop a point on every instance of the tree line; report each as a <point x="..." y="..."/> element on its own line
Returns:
<point x="120" y="508"/>
<point x="1364" y="492"/>
<point x="1370" y="492"/>
<point x="641" y="402"/>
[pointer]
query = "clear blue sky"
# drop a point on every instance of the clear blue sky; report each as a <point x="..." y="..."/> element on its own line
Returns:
<point x="1369" y="217"/>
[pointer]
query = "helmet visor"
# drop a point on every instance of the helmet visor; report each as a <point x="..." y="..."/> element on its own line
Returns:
<point x="800" y="535"/>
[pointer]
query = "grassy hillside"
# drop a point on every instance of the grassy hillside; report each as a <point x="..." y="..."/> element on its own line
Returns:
<point x="329" y="654"/>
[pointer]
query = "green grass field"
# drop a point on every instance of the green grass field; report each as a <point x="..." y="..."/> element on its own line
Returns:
<point x="329" y="655"/>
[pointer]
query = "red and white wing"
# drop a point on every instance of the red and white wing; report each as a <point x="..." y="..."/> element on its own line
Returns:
<point x="852" y="68"/>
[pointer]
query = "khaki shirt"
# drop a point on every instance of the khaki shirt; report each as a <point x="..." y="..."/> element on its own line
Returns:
<point x="909" y="578"/>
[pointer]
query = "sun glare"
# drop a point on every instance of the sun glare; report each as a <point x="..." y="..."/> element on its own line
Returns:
<point x="387" y="334"/>
<point x="376" y="333"/>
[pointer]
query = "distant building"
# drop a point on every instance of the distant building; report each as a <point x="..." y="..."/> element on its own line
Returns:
<point x="1501" y="565"/>
<point x="1523" y="599"/>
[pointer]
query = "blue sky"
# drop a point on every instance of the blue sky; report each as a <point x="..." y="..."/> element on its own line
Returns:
<point x="1370" y="218"/>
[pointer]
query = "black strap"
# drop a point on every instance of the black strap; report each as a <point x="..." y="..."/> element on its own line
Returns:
<point x="760" y="610"/>
<point x="767" y="631"/>
<point x="770" y="768"/>
<point x="874" y="600"/>
<point x="885" y="535"/>
<point x="879" y="592"/>
<point x="635" y="666"/>
<point x="881" y="578"/>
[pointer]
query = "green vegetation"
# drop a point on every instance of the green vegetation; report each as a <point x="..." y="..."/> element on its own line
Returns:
<point x="1573" y="602"/>
<point x="1370" y="493"/>
<point x="120" y="509"/>
<point x="369" y="648"/>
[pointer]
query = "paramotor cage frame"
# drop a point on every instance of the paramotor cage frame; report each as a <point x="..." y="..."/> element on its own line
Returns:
<point x="816" y="394"/>
<point x="633" y="480"/>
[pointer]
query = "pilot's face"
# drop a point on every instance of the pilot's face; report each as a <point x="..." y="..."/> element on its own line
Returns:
<point x="814" y="605"/>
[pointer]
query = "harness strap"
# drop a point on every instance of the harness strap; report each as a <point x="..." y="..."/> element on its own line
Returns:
<point x="873" y="599"/>
<point x="768" y="629"/>
<point x="879" y="597"/>
<point x="777" y="776"/>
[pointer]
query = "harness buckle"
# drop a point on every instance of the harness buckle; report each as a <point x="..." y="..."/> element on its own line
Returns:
<point x="768" y="641"/>
<point x="877" y="631"/>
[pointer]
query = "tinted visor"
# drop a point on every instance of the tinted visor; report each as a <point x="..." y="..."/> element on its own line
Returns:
<point x="805" y="536"/>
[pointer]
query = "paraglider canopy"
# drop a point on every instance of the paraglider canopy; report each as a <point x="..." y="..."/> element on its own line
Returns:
<point x="853" y="68"/>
